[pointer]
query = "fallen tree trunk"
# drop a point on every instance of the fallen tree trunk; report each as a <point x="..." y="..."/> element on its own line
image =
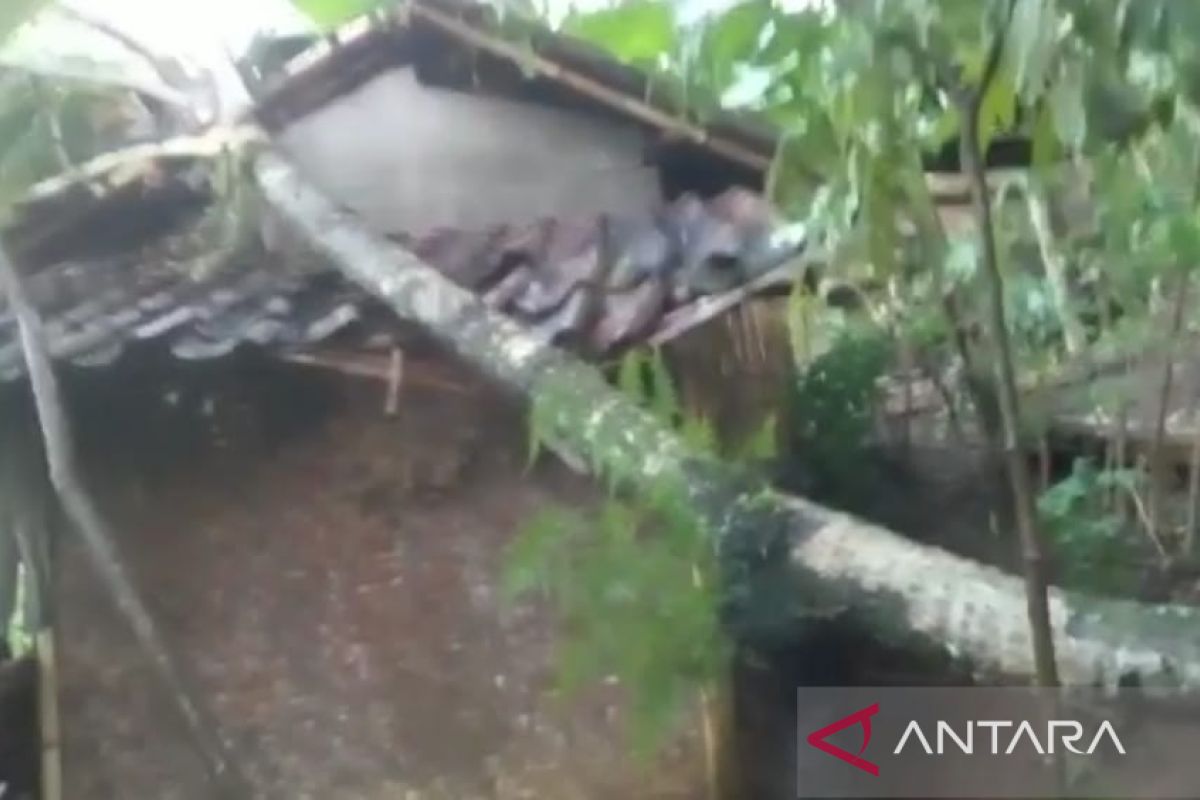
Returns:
<point x="781" y="546"/>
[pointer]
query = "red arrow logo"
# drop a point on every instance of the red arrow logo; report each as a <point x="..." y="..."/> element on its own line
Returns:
<point x="862" y="717"/>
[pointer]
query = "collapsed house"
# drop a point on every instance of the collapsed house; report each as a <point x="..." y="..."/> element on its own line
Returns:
<point x="258" y="428"/>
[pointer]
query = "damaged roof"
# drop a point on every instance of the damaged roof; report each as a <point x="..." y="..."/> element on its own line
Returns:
<point x="594" y="283"/>
<point x="93" y="310"/>
<point x="600" y="283"/>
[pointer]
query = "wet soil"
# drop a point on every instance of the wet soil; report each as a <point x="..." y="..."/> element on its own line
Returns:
<point x="342" y="625"/>
<point x="329" y="575"/>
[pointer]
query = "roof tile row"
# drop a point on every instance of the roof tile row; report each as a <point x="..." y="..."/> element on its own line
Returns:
<point x="593" y="284"/>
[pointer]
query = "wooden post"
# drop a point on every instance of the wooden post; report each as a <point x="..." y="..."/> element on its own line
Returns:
<point x="395" y="380"/>
<point x="48" y="716"/>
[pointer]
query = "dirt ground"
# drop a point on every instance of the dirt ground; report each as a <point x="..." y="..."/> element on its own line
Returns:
<point x="331" y="585"/>
<point x="329" y="575"/>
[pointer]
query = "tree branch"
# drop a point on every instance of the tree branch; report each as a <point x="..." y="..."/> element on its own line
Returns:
<point x="167" y="71"/>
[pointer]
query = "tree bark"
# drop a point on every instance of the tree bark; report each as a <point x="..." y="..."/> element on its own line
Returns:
<point x="1159" y="469"/>
<point x="896" y="585"/>
<point x="1024" y="502"/>
<point x="90" y="524"/>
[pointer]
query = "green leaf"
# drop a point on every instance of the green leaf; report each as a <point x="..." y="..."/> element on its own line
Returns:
<point x="880" y="217"/>
<point x="801" y="34"/>
<point x="638" y="31"/>
<point x="15" y="13"/>
<point x="532" y="554"/>
<point x="1067" y="108"/>
<point x="1184" y="237"/>
<point x="962" y="258"/>
<point x="699" y="434"/>
<point x="733" y="38"/>
<point x="1143" y="24"/>
<point x="941" y="129"/>
<point x="790" y="183"/>
<point x="762" y="445"/>
<point x="1031" y="44"/>
<point x="998" y="111"/>
<point x="1046" y="148"/>
<point x="329" y="14"/>
<point x="1116" y="111"/>
<point x="533" y="444"/>
<point x="629" y="377"/>
<point x="663" y="397"/>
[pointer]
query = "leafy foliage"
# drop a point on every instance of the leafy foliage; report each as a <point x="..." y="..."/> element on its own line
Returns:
<point x="19" y="155"/>
<point x="16" y="631"/>
<point x="637" y="585"/>
<point x="1091" y="549"/>
<point x="48" y="126"/>
<point x="1106" y="92"/>
<point x="330" y="14"/>
<point x="858" y="93"/>
<point x="68" y="92"/>
<point x="637" y="31"/>
<point x="634" y="604"/>
<point x="832" y="410"/>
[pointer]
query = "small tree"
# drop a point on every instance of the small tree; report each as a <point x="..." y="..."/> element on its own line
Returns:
<point x="638" y="586"/>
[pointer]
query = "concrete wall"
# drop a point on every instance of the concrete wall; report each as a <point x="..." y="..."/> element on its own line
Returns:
<point x="409" y="157"/>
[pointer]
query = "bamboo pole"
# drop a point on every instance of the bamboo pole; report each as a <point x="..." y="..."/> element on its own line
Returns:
<point x="48" y="715"/>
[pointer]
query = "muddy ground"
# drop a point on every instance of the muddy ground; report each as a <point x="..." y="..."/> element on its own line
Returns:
<point x="330" y="581"/>
<point x="329" y="575"/>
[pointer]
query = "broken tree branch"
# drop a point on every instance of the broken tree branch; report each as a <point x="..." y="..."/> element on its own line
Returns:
<point x="896" y="585"/>
<point x="166" y="70"/>
<point x="88" y="521"/>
